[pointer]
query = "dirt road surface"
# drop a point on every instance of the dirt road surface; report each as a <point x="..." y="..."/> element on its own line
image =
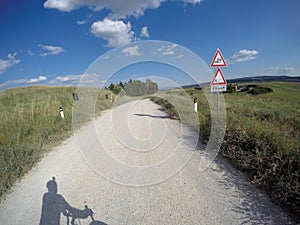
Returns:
<point x="125" y="167"/>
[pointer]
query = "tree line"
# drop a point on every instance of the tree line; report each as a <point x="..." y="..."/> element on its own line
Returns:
<point x="134" y="87"/>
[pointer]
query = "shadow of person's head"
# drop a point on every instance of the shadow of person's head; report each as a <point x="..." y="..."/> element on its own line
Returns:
<point x="52" y="186"/>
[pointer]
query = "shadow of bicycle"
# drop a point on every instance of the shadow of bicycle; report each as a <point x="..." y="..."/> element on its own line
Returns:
<point x="55" y="205"/>
<point x="97" y="223"/>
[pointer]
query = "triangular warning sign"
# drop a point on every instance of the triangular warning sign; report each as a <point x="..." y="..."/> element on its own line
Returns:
<point x="218" y="78"/>
<point x="218" y="60"/>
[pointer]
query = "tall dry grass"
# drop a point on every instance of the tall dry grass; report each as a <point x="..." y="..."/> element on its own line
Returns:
<point x="31" y="124"/>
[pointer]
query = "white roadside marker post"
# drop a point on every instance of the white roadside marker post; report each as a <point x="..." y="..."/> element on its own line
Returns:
<point x="61" y="111"/>
<point x="196" y="104"/>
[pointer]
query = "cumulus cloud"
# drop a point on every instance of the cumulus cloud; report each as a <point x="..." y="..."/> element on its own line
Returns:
<point x="145" y="32"/>
<point x="132" y="51"/>
<point x="9" y="62"/>
<point x="51" y="50"/>
<point x="117" y="8"/>
<point x="243" y="55"/>
<point x="113" y="29"/>
<point x="115" y="32"/>
<point x="35" y="80"/>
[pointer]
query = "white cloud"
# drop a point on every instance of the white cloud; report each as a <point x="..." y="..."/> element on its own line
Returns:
<point x="9" y="62"/>
<point x="35" y="80"/>
<point x="51" y="50"/>
<point x="169" y="50"/>
<point x="11" y="83"/>
<point x="31" y="53"/>
<point x="132" y="51"/>
<point x="145" y="32"/>
<point x="81" y="22"/>
<point x="243" y="55"/>
<point x="90" y="80"/>
<point x="161" y="48"/>
<point x="118" y="9"/>
<point x="104" y="56"/>
<point x="66" y="6"/>
<point x="192" y="1"/>
<point x="115" y="32"/>
<point x="179" y="56"/>
<point x="66" y="79"/>
<point x="112" y="29"/>
<point x="277" y="71"/>
<point x="77" y="79"/>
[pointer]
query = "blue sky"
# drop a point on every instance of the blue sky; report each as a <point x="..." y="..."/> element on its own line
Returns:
<point x="55" y="41"/>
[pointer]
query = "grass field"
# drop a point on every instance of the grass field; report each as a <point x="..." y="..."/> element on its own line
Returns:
<point x="31" y="125"/>
<point x="262" y="138"/>
<point x="262" y="134"/>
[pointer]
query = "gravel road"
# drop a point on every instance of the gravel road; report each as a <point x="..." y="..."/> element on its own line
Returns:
<point x="133" y="166"/>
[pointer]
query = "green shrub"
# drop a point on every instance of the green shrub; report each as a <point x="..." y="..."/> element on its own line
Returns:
<point x="259" y="90"/>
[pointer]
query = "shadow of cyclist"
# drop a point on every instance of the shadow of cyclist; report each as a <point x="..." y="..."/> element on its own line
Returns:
<point x="54" y="205"/>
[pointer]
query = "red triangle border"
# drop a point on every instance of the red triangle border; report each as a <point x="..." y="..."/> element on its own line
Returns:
<point x="215" y="56"/>
<point x="213" y="83"/>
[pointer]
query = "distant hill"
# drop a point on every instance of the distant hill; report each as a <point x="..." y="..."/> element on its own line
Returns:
<point x="283" y="78"/>
<point x="265" y="79"/>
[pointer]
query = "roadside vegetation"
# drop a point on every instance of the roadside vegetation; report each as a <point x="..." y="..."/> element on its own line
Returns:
<point x="168" y="107"/>
<point x="31" y="124"/>
<point x="262" y="136"/>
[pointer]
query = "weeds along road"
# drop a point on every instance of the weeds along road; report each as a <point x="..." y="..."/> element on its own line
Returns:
<point x="127" y="172"/>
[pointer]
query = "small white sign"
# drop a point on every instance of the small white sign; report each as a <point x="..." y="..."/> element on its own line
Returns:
<point x="218" y="88"/>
